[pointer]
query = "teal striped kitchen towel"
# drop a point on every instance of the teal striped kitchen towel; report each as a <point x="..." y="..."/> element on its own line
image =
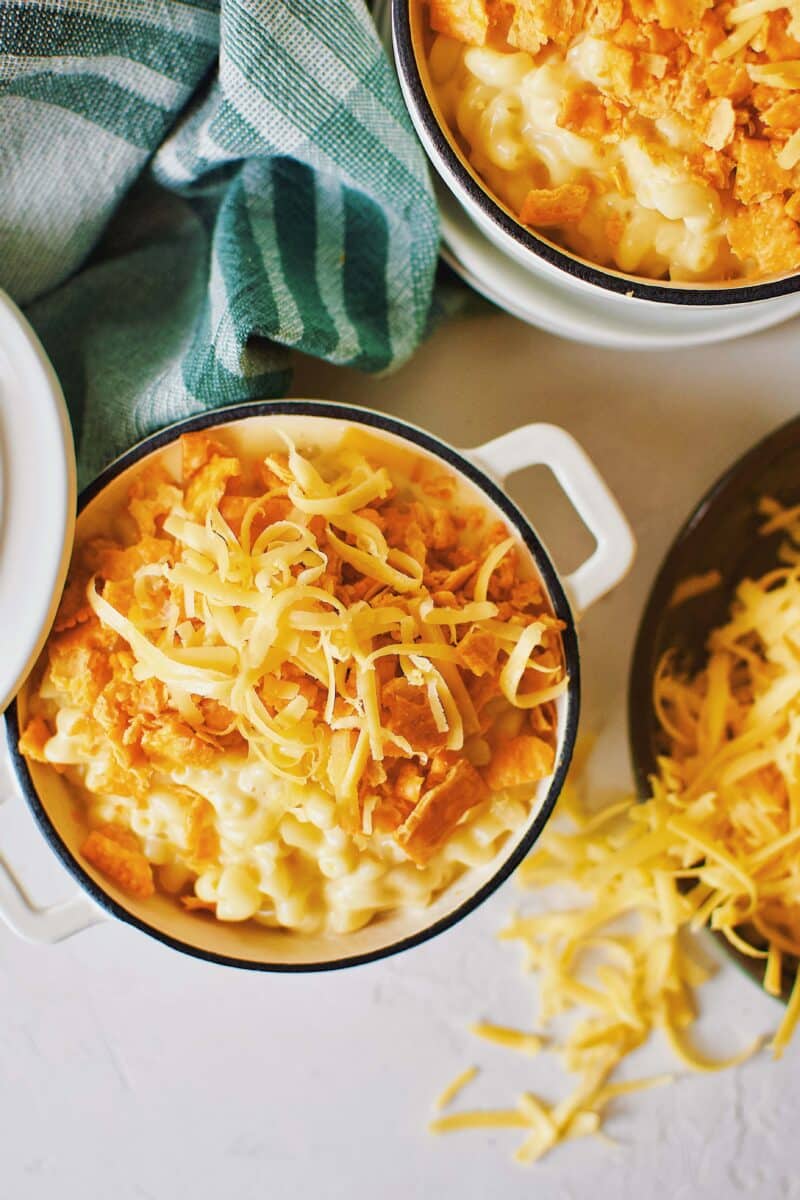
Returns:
<point x="191" y="189"/>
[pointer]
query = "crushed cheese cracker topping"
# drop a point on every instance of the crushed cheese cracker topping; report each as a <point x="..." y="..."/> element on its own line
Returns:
<point x="345" y="623"/>
<point x="675" y="149"/>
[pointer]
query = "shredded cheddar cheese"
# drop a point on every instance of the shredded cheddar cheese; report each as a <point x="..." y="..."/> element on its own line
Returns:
<point x="695" y="585"/>
<point x="502" y="1118"/>
<point x="619" y="963"/>
<point x="514" y="1039"/>
<point x="453" y="1089"/>
<point x="717" y="844"/>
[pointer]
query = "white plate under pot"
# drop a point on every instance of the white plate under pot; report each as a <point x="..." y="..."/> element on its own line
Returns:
<point x="582" y="317"/>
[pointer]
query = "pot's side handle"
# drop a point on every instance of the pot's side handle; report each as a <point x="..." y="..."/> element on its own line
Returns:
<point x="553" y="447"/>
<point x="17" y="911"/>
<point x="48" y="925"/>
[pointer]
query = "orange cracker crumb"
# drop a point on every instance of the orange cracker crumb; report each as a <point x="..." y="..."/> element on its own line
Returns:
<point x="554" y="206"/>
<point x="479" y="651"/>
<point x="523" y="759"/>
<point x="766" y="235"/>
<point x="33" y="741"/>
<point x="116" y="854"/>
<point x="440" y="810"/>
<point x="583" y="112"/>
<point x="758" y="175"/>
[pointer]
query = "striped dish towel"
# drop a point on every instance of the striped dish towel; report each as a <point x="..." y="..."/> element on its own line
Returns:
<point x="190" y="189"/>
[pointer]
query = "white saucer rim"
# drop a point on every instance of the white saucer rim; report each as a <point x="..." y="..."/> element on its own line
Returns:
<point x="476" y="259"/>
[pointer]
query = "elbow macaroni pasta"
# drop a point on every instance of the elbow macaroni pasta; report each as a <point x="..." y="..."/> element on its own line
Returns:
<point x="647" y="214"/>
<point x="283" y="859"/>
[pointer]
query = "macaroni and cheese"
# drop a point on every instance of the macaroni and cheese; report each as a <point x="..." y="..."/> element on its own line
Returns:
<point x="303" y="690"/>
<point x="658" y="137"/>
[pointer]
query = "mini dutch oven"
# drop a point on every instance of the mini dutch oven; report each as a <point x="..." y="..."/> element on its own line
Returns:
<point x="480" y="473"/>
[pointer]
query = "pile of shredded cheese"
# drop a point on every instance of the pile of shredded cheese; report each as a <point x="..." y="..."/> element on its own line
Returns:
<point x="717" y="844"/>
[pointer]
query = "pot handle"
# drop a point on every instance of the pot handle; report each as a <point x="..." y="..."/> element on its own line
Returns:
<point x="551" y="446"/>
<point x="49" y="924"/>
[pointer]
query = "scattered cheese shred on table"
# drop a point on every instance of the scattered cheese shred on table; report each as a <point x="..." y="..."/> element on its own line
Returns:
<point x="620" y="964"/>
<point x="717" y="844"/>
<point x="514" y="1039"/>
<point x="453" y="1089"/>
<point x="500" y="1118"/>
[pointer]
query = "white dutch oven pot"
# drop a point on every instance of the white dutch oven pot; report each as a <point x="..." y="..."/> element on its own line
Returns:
<point x="480" y="474"/>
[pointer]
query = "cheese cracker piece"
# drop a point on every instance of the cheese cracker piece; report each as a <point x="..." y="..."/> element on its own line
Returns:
<point x="116" y="854"/>
<point x="764" y="235"/>
<point x="758" y="174"/>
<point x="465" y="20"/>
<point x="440" y="810"/>
<point x="545" y="207"/>
<point x="523" y="759"/>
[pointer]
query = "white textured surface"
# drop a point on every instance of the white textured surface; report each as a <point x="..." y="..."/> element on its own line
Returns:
<point x="133" y="1073"/>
